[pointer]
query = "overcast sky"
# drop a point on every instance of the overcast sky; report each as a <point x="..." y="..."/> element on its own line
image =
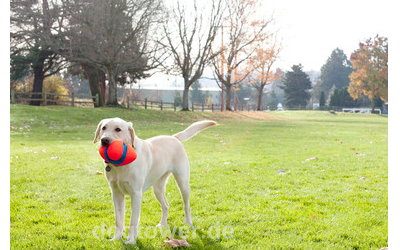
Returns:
<point x="311" y="29"/>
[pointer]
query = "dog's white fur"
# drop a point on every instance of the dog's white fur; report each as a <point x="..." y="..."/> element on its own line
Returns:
<point x="157" y="158"/>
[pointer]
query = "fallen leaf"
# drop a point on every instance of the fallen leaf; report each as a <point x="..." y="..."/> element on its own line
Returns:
<point x="171" y="242"/>
<point x="360" y="154"/>
<point x="98" y="172"/>
<point x="354" y="149"/>
<point x="311" y="159"/>
<point x="283" y="172"/>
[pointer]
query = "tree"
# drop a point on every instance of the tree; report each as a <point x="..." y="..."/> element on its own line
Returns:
<point x="322" y="100"/>
<point x="113" y="37"/>
<point x="35" y="27"/>
<point x="262" y="63"/>
<point x="341" y="98"/>
<point x="370" y="76"/>
<point x="177" y="99"/>
<point x="197" y="94"/>
<point x="335" y="71"/>
<point x="296" y="85"/>
<point x="243" y="31"/>
<point x="189" y="38"/>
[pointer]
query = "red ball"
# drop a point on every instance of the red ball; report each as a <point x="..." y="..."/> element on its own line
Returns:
<point x="118" y="153"/>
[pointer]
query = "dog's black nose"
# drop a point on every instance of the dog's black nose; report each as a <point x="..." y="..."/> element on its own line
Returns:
<point x="105" y="141"/>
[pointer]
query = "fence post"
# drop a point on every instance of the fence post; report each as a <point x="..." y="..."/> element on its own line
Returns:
<point x="174" y="106"/>
<point x="127" y="99"/>
<point x="44" y="97"/>
<point x="73" y="99"/>
<point x="212" y="107"/>
<point x="192" y="106"/>
<point x="145" y="103"/>
<point x="202" y="107"/>
<point x="97" y="99"/>
<point x="161" y="105"/>
<point x="12" y="96"/>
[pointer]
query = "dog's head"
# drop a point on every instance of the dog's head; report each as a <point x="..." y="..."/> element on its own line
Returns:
<point x="111" y="129"/>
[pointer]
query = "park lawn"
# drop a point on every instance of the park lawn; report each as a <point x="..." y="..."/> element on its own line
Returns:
<point x="277" y="180"/>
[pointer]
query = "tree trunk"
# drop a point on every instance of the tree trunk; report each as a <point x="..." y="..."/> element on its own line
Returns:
<point x="37" y="82"/>
<point x="96" y="80"/>
<point x="228" y="97"/>
<point x="260" y="96"/>
<point x="185" y="98"/>
<point x="112" y="89"/>
<point x="102" y="86"/>
<point x="373" y="105"/>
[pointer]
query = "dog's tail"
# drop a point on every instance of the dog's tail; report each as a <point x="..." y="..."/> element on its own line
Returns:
<point x="193" y="129"/>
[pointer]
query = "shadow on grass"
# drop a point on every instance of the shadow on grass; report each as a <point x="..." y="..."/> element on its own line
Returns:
<point x="199" y="239"/>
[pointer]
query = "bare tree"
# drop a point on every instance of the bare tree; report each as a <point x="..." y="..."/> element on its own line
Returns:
<point x="114" y="36"/>
<point x="35" y="25"/>
<point x="243" y="29"/>
<point x="189" y="38"/>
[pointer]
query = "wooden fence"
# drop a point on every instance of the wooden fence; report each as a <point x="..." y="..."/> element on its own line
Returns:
<point x="148" y="104"/>
<point x="48" y="98"/>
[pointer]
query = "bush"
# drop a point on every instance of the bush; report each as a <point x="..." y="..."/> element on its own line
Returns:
<point x="53" y="84"/>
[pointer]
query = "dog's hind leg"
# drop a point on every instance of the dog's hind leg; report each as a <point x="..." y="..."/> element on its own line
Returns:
<point x="159" y="191"/>
<point x="182" y="178"/>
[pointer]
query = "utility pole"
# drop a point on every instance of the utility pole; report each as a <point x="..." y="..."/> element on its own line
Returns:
<point x="222" y="67"/>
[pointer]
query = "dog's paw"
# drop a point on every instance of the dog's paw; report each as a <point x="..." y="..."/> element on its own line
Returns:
<point x="116" y="237"/>
<point x="161" y="225"/>
<point x="131" y="241"/>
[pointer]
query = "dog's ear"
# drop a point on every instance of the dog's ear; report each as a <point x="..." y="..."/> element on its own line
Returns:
<point x="131" y="132"/>
<point x="97" y="133"/>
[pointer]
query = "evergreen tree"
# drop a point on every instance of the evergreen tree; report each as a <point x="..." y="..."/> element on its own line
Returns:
<point x="322" y="100"/>
<point x="296" y="85"/>
<point x="177" y="99"/>
<point x="196" y="93"/>
<point x="336" y="71"/>
<point x="342" y="98"/>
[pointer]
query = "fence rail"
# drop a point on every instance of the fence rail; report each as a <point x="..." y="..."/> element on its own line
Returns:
<point x="149" y="104"/>
<point x="46" y="98"/>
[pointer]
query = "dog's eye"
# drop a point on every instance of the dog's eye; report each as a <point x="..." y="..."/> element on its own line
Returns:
<point x="104" y="128"/>
<point x="118" y="129"/>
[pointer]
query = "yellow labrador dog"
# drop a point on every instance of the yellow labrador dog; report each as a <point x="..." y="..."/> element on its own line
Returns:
<point x="157" y="158"/>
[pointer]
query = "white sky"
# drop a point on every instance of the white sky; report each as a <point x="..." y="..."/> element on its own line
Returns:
<point x="310" y="30"/>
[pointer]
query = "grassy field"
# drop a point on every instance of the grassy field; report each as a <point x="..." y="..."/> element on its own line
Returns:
<point x="278" y="180"/>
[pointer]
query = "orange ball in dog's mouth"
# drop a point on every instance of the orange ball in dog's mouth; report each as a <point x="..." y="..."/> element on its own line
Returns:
<point x="118" y="153"/>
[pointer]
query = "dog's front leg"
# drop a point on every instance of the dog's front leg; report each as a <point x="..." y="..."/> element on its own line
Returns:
<point x="136" y="202"/>
<point x="119" y="208"/>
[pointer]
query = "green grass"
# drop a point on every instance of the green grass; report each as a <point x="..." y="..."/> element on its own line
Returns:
<point x="250" y="180"/>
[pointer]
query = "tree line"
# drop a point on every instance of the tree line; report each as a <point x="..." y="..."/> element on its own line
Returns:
<point x="116" y="42"/>
<point x="112" y="43"/>
<point x="344" y="82"/>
